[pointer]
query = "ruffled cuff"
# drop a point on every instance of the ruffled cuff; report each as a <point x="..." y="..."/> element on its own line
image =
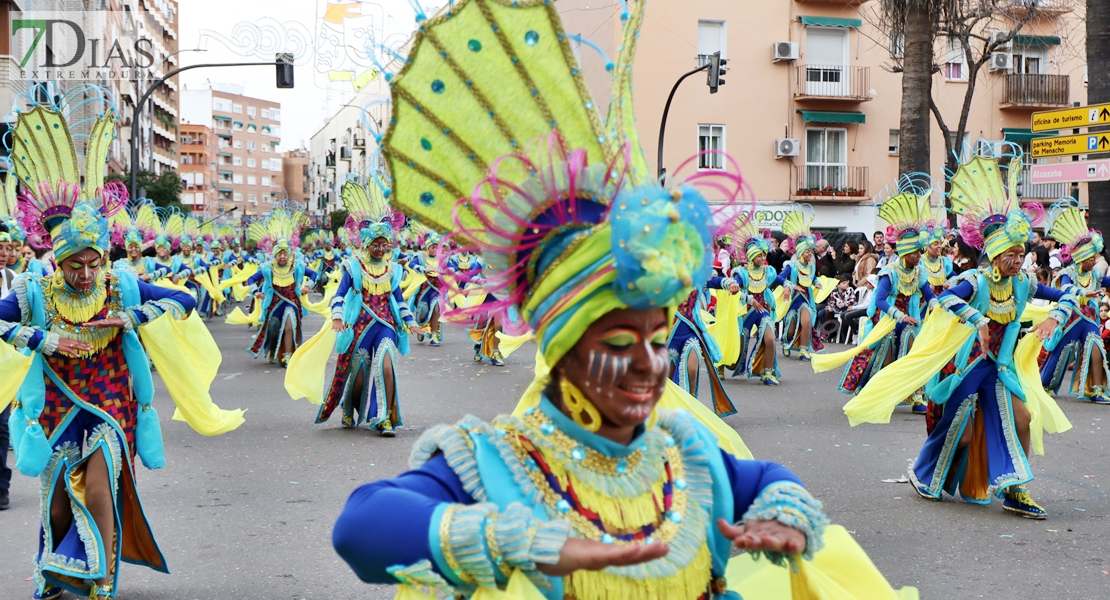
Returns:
<point x="49" y="344"/>
<point x="462" y="541"/>
<point x="793" y="506"/>
<point x="522" y="541"/>
<point x="1059" y="314"/>
<point x="420" y="575"/>
<point x="128" y="320"/>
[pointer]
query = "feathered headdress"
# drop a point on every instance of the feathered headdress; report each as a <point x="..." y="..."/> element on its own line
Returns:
<point x="795" y="226"/>
<point x="992" y="218"/>
<point x="371" y="216"/>
<point x="907" y="211"/>
<point x="1069" y="227"/>
<point x="9" y="211"/>
<point x="749" y="239"/>
<point x="168" y="228"/>
<point x="190" y="234"/>
<point x="569" y="219"/>
<point x="136" y="225"/>
<point x="280" y="231"/>
<point x="227" y="235"/>
<point x="56" y="209"/>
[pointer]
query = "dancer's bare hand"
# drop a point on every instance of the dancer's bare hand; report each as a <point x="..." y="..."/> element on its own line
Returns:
<point x="109" y="322"/>
<point x="1046" y="328"/>
<point x="733" y="287"/>
<point x="71" y="347"/>
<point x="259" y="295"/>
<point x="908" y="319"/>
<point x="418" y="330"/>
<point x="338" y="326"/>
<point x="590" y="555"/>
<point x="985" y="338"/>
<point x="764" y="536"/>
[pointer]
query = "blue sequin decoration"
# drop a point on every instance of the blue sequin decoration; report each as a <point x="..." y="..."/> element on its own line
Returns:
<point x="427" y="198"/>
<point x="425" y="144"/>
<point x="680" y="483"/>
<point x="562" y="506"/>
<point x="578" y="453"/>
<point x="438" y="86"/>
<point x="622" y="467"/>
<point x="474" y="45"/>
<point x="531" y="38"/>
<point x="547" y="429"/>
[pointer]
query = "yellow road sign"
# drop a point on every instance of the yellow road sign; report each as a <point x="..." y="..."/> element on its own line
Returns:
<point x="1081" y="116"/>
<point x="1068" y="145"/>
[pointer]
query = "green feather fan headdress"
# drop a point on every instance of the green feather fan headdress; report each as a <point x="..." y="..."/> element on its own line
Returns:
<point x="1069" y="228"/>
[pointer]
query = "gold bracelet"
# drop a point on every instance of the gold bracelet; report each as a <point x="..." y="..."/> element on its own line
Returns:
<point x="494" y="550"/>
<point x="445" y="545"/>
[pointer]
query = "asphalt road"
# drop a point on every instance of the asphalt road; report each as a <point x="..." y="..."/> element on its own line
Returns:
<point x="248" y="514"/>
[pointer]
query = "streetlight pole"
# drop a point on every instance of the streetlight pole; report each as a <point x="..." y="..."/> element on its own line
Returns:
<point x="133" y="189"/>
<point x="667" y="109"/>
<point x="155" y="86"/>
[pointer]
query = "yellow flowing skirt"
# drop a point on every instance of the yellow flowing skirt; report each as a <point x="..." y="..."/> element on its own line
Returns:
<point x="306" y="373"/>
<point x="827" y="362"/>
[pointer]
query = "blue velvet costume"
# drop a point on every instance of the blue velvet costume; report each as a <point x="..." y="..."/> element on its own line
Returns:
<point x="689" y="335"/>
<point x="1079" y="337"/>
<point x="751" y="359"/>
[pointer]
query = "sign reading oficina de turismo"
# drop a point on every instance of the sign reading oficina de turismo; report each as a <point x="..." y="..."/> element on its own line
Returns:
<point x="1071" y="145"/>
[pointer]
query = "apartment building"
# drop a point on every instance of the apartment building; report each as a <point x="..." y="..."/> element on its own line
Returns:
<point x="296" y="176"/>
<point x="812" y="102"/>
<point x="345" y="149"/>
<point x="197" y="158"/>
<point x="248" y="131"/>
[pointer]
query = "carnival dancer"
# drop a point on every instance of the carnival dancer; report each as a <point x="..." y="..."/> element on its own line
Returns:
<point x="981" y="443"/>
<point x="425" y="301"/>
<point x="757" y="356"/>
<point x="592" y="492"/>
<point x="329" y="259"/>
<point x="370" y="321"/>
<point x="800" y="277"/>
<point x="83" y="412"/>
<point x="279" y="285"/>
<point x="937" y="263"/>
<point x="1078" y="343"/>
<point x="689" y="339"/>
<point x="132" y="230"/>
<point x="466" y="270"/>
<point x="190" y="269"/>
<point x="168" y="230"/>
<point x="903" y="296"/>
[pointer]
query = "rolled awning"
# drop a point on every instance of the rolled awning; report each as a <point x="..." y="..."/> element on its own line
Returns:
<point x="831" y="22"/>
<point x="843" y="116"/>
<point x="1036" y="40"/>
<point x="1024" y="135"/>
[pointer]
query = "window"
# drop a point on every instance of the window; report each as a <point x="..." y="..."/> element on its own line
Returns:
<point x="237" y="109"/>
<point x="187" y="179"/>
<point x="265" y="113"/>
<point x="238" y="143"/>
<point x="827" y="62"/>
<point x="225" y="177"/>
<point x="895" y="142"/>
<point x="275" y="114"/>
<point x="897" y="45"/>
<point x="221" y="104"/>
<point x="275" y="131"/>
<point x="711" y="145"/>
<point x="237" y="179"/>
<point x="252" y="198"/>
<point x="961" y="148"/>
<point x="250" y="162"/>
<point x="252" y="180"/>
<point x="265" y="147"/>
<point x="954" y="67"/>
<point x="250" y="146"/>
<point x="266" y="181"/>
<point x="237" y="127"/>
<point x="186" y="159"/>
<point x="237" y="161"/>
<point x="200" y="178"/>
<point x="711" y="38"/>
<point x="826" y="158"/>
<point x="251" y="128"/>
<point x="275" y="164"/>
<point x="265" y="164"/>
<point x="238" y="196"/>
<point x="1030" y="60"/>
<point x="250" y="111"/>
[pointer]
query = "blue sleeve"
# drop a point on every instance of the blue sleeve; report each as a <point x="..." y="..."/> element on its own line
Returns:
<point x="339" y="300"/>
<point x="882" y="292"/>
<point x="158" y="300"/>
<point x="9" y="309"/>
<point x="783" y="277"/>
<point x="255" y="279"/>
<point x="716" y="283"/>
<point x="927" y="292"/>
<point x="1065" y="279"/>
<point x="1049" y="293"/>
<point x="10" y="328"/>
<point x="750" y="477"/>
<point x="403" y="506"/>
<point x="309" y="273"/>
<point x="954" y="300"/>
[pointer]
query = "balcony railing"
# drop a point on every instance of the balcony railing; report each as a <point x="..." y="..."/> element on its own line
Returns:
<point x="1043" y="8"/>
<point x="1035" y="91"/>
<point x="831" y="181"/>
<point x="329" y="160"/>
<point x="834" y="82"/>
<point x="1042" y="191"/>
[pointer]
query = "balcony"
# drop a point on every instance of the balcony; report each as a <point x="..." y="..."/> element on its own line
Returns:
<point x="360" y="142"/>
<point x="1046" y="9"/>
<point x="833" y="82"/>
<point x="344" y="153"/>
<point x="1036" y="91"/>
<point x="329" y="161"/>
<point x="1042" y="192"/>
<point x="831" y="182"/>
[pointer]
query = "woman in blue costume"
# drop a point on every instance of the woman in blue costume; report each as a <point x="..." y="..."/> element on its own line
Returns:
<point x="757" y="356"/>
<point x="188" y="265"/>
<point x="371" y="319"/>
<point x="132" y="229"/>
<point x="279" y="285"/>
<point x="1078" y="344"/>
<point x="592" y="492"/>
<point x="800" y="277"/>
<point x="904" y="293"/>
<point x="981" y="443"/>
<point x="689" y="339"/>
<point x="83" y="413"/>
<point x="937" y="264"/>
<point x="426" y="300"/>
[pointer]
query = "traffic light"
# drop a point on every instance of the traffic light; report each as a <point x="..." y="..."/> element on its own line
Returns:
<point x="284" y="63"/>
<point x="716" y="70"/>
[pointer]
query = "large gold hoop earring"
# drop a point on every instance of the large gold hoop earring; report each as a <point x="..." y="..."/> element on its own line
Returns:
<point x="582" y="411"/>
<point x="996" y="274"/>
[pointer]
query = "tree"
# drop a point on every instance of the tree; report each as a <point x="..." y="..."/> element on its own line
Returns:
<point x="163" y="190"/>
<point x="966" y="24"/>
<point x="1098" y="91"/>
<point x="338" y="218"/>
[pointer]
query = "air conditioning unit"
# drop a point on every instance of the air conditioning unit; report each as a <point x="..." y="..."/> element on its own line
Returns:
<point x="786" y="147"/>
<point x="1002" y="61"/>
<point x="996" y="39"/>
<point x="781" y="51"/>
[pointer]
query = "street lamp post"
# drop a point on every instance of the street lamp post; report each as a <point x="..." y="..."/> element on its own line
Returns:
<point x="667" y="109"/>
<point x="155" y="86"/>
